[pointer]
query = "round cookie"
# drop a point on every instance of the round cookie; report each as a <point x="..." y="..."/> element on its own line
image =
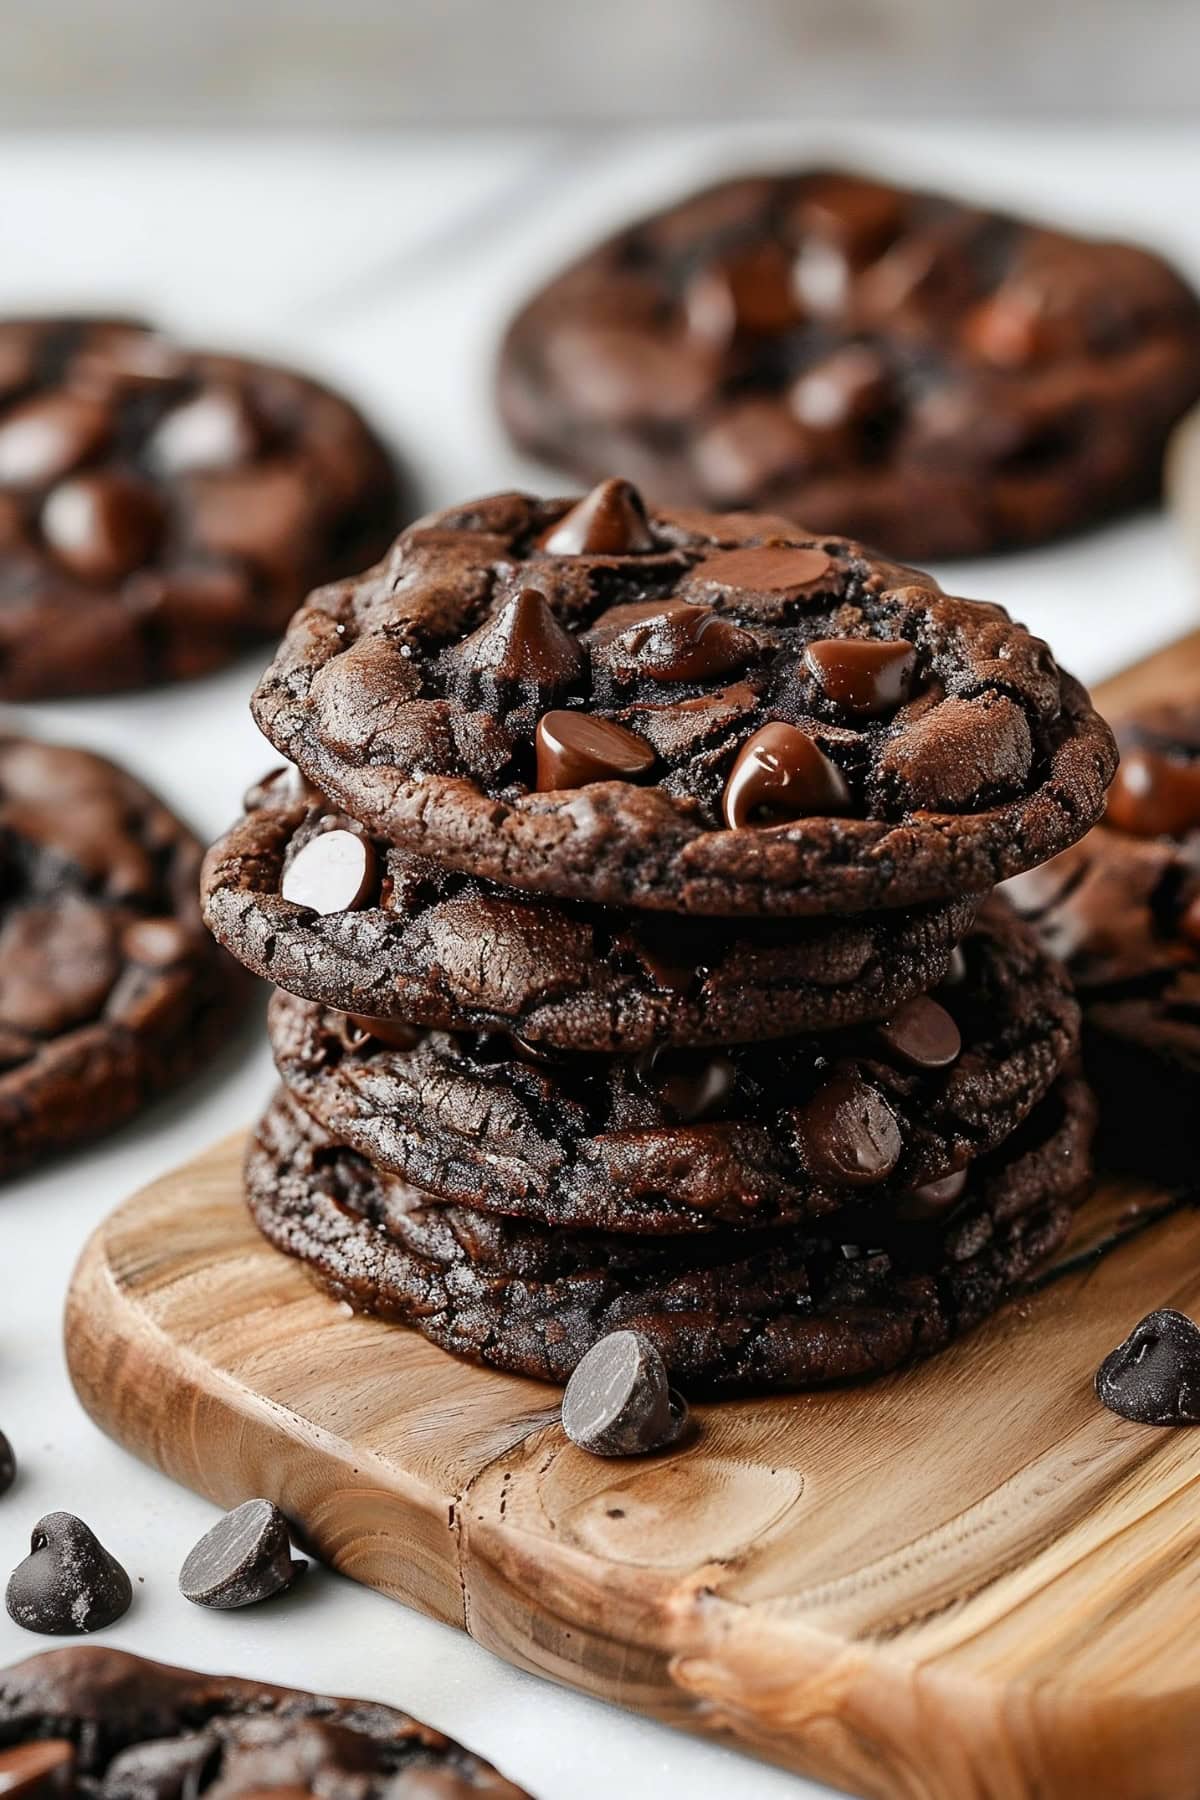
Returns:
<point x="110" y="988"/>
<point x="735" y="1313"/>
<point x="435" y="947"/>
<point x="683" y="712"/>
<point x="898" y="366"/>
<point x="124" y="1725"/>
<point x="161" y="508"/>
<point x="1122" y="909"/>
<point x="685" y="1140"/>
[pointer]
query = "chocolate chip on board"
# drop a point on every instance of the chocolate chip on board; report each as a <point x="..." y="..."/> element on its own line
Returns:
<point x="1153" y="1377"/>
<point x="618" y="1401"/>
<point x="69" y="1583"/>
<point x="245" y="1557"/>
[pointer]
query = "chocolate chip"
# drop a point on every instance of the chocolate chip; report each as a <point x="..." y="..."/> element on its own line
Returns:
<point x="771" y="569"/>
<point x="610" y="521"/>
<point x="333" y="872"/>
<point x="8" y="1465"/>
<point x="575" y="748"/>
<point x="922" y="1034"/>
<point x="751" y="292"/>
<point x="68" y="1583"/>
<point x="43" y="1770"/>
<point x="395" y="1033"/>
<point x="618" y="1401"/>
<point x="781" y="774"/>
<point x="1154" y="1376"/>
<point x="848" y="1133"/>
<point x="692" y="1084"/>
<point x="102" y="526"/>
<point x="844" y="389"/>
<point x="246" y="1557"/>
<point x="215" y="430"/>
<point x="864" y="676"/>
<point x="1154" y="796"/>
<point x="45" y="438"/>
<point x="164" y="1769"/>
<point x="522" y="647"/>
<point x="670" y="640"/>
<point x="157" y="943"/>
<point x="932" y="1198"/>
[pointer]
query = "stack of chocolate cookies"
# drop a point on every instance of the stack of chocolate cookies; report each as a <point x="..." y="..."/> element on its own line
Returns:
<point x="627" y="898"/>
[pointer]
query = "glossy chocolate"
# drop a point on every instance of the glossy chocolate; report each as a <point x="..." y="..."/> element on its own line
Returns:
<point x="781" y="774"/>
<point x="575" y="748"/>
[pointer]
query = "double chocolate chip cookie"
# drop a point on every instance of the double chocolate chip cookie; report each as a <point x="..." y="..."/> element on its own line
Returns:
<point x="683" y="712"/>
<point x="900" y="366"/>
<point x="110" y="989"/>
<point x="161" y="508"/>
<point x="1122" y="909"/>
<point x="93" y="1721"/>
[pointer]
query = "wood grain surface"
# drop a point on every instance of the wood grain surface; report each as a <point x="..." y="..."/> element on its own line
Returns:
<point x="966" y="1582"/>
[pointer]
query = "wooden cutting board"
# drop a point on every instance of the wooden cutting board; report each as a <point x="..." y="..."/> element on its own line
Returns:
<point x="966" y="1582"/>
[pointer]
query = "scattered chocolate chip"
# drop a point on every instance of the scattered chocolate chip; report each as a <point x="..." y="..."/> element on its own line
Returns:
<point x="849" y="1134"/>
<point x="68" y="1583"/>
<point x="922" y="1034"/>
<point x="769" y="569"/>
<point x="933" y="1198"/>
<point x="333" y="872"/>
<point x="522" y="646"/>
<point x="1154" y="1376"/>
<point x="42" y="1770"/>
<point x="864" y="676"/>
<point x="244" y="1558"/>
<point x="781" y="774"/>
<point x="102" y="526"/>
<point x="575" y="748"/>
<point x="1153" y="795"/>
<point x="8" y="1465"/>
<point x="618" y="1401"/>
<point x="610" y="521"/>
<point x="671" y="640"/>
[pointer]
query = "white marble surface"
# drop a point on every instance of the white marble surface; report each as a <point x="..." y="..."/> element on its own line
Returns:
<point x="390" y="264"/>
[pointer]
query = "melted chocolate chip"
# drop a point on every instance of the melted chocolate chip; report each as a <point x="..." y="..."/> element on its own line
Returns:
<point x="395" y="1033"/>
<point x="216" y="430"/>
<point x="575" y="748"/>
<point x="8" y="1465"/>
<point x="922" y="1034"/>
<point x="618" y="1401"/>
<point x="1153" y="795"/>
<point x="245" y="1557"/>
<point x="333" y="872"/>
<point x="610" y="521"/>
<point x="68" y="1583"/>
<point x="768" y="569"/>
<point x="46" y="437"/>
<point x="671" y="640"/>
<point x="692" y="1085"/>
<point x="849" y="1133"/>
<point x="864" y="676"/>
<point x="781" y="774"/>
<point x="1154" y="1376"/>
<point x="157" y="943"/>
<point x="933" y="1198"/>
<point x="522" y="646"/>
<point x="102" y="526"/>
<point x="42" y="1770"/>
<point x="845" y="389"/>
<point x="751" y="292"/>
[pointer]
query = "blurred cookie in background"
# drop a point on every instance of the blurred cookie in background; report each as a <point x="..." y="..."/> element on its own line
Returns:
<point x="899" y="366"/>
<point x="161" y="508"/>
<point x="110" y="988"/>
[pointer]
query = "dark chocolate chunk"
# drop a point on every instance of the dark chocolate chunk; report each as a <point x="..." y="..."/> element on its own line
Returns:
<point x="8" y="1465"/>
<point x="245" y="1557"/>
<point x="575" y="748"/>
<point x="849" y="1133"/>
<point x="922" y="1034"/>
<point x="670" y="640"/>
<point x="1154" y="795"/>
<point x="41" y="1770"/>
<point x="103" y="525"/>
<point x="1153" y="1377"/>
<point x="780" y="774"/>
<point x="864" y="676"/>
<point x="521" y="647"/>
<point x="765" y="569"/>
<point x="333" y="872"/>
<point x="69" y="1583"/>
<point x="618" y="1401"/>
<point x="610" y="521"/>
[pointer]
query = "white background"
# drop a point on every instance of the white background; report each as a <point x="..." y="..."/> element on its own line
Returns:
<point x="389" y="264"/>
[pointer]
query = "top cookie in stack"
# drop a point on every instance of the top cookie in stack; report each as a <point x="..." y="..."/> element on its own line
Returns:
<point x="590" y="805"/>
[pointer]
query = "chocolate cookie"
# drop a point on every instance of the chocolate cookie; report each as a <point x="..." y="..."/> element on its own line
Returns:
<point x="680" y="1140"/>
<point x="101" y="1722"/>
<point x="899" y="366"/>
<point x="682" y="712"/>
<point x="729" y="1312"/>
<point x="1122" y="909"/>
<point x="401" y="938"/>
<point x="110" y="988"/>
<point x="161" y="508"/>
